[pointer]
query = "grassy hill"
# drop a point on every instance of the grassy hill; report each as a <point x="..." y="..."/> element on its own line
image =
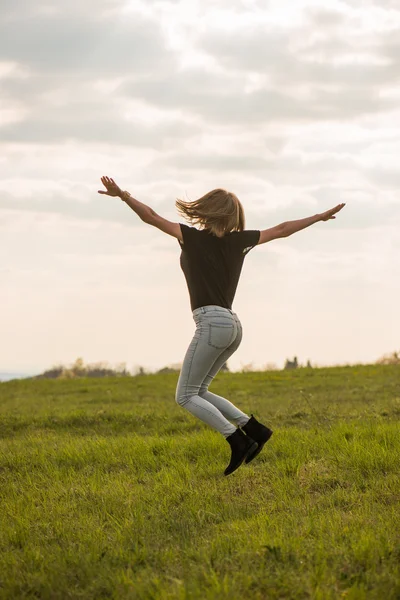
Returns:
<point x="109" y="489"/>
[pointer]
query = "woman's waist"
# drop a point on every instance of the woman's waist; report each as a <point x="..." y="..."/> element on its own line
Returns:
<point x="212" y="309"/>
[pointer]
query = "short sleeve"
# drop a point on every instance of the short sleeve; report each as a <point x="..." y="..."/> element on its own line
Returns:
<point x="189" y="235"/>
<point x="246" y="240"/>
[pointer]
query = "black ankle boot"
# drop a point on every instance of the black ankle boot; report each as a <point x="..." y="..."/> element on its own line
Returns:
<point x="257" y="432"/>
<point x="241" y="444"/>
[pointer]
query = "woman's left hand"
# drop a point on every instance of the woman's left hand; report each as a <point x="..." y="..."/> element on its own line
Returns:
<point x="112" y="188"/>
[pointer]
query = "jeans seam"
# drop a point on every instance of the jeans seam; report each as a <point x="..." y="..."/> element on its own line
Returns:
<point x="188" y="374"/>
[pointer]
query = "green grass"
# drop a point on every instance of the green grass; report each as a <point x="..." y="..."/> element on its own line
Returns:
<point x="109" y="489"/>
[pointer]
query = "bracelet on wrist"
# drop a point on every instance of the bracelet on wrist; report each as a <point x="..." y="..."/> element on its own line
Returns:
<point x="124" y="195"/>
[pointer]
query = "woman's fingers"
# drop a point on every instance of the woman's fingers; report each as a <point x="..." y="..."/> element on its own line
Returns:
<point x="329" y="213"/>
<point x="107" y="181"/>
<point x="104" y="181"/>
<point x="336" y="209"/>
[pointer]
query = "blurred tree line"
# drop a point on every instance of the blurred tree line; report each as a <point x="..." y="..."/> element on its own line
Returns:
<point x="103" y="369"/>
<point x="79" y="369"/>
<point x="389" y="359"/>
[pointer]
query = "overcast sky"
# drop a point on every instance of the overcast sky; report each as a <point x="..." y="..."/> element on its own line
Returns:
<point x="293" y="105"/>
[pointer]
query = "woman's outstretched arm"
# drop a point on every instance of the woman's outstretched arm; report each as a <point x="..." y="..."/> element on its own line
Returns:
<point x="288" y="227"/>
<point x="147" y="214"/>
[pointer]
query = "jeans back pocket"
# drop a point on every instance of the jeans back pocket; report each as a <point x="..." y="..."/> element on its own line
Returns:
<point x="221" y="335"/>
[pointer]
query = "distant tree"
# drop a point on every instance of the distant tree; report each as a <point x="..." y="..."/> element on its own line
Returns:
<point x="52" y="373"/>
<point x="176" y="367"/>
<point x="166" y="370"/>
<point x="122" y="370"/>
<point x="291" y="364"/>
<point x="389" y="359"/>
<point x="173" y="368"/>
<point x="78" y="368"/>
<point x="140" y="371"/>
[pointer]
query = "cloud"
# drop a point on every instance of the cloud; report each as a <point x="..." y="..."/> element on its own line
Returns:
<point x="65" y="57"/>
<point x="292" y="56"/>
<point x="52" y="108"/>
<point x="281" y="169"/>
<point x="93" y="209"/>
<point x="85" y="44"/>
<point x="226" y="101"/>
<point x="381" y="4"/>
<point x="324" y="69"/>
<point x="384" y="177"/>
<point x="62" y="67"/>
<point x="96" y="124"/>
<point x="11" y="10"/>
<point x="363" y="209"/>
<point x="83" y="205"/>
<point x="326" y="19"/>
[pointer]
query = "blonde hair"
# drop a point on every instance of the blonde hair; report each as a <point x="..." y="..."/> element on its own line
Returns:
<point x="219" y="211"/>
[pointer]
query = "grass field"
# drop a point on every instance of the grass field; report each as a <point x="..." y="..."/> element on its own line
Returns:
<point x="109" y="489"/>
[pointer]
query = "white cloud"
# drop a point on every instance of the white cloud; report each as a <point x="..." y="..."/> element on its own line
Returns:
<point x="85" y="45"/>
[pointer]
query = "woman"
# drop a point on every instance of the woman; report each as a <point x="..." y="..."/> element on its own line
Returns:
<point x="212" y="259"/>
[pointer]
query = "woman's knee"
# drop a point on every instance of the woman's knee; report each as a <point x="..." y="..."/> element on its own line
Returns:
<point x="181" y="396"/>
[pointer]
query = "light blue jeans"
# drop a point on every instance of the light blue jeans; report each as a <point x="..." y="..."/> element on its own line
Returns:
<point x="218" y="334"/>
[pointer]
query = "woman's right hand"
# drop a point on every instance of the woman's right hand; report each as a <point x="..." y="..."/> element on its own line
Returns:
<point x="325" y="216"/>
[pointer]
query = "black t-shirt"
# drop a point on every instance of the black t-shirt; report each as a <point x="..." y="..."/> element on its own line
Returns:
<point x="212" y="265"/>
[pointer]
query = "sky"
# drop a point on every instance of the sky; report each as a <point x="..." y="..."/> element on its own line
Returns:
<point x="293" y="105"/>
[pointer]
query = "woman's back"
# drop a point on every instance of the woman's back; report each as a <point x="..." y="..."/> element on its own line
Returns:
<point x="212" y="265"/>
